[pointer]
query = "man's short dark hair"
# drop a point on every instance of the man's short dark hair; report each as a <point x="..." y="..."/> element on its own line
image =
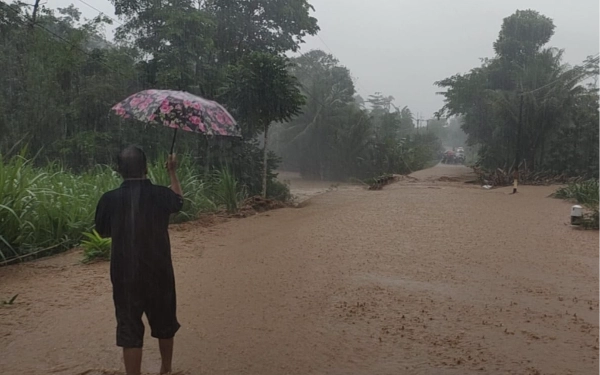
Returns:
<point x="132" y="162"/>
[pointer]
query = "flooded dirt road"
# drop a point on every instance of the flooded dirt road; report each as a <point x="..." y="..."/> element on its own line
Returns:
<point x="431" y="276"/>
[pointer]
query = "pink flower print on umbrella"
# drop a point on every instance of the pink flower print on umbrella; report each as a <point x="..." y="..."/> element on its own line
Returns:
<point x="145" y="104"/>
<point x="135" y="102"/>
<point x="195" y="120"/>
<point x="165" y="107"/>
<point x="222" y="118"/>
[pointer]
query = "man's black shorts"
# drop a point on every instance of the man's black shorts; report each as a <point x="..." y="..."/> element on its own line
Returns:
<point x="158" y="303"/>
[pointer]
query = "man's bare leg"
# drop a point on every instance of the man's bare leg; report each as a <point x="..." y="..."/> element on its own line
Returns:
<point x="166" y="355"/>
<point x="133" y="360"/>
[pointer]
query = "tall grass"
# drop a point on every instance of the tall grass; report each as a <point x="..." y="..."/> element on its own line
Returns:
<point x="47" y="210"/>
<point x="585" y="192"/>
<point x="226" y="190"/>
<point x="196" y="197"/>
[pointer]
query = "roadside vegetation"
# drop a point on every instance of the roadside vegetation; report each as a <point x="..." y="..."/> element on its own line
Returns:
<point x="585" y="193"/>
<point x="46" y="210"/>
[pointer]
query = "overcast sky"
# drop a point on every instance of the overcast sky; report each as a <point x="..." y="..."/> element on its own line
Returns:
<point x="400" y="47"/>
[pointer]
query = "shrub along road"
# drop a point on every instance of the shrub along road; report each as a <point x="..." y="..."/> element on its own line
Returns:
<point x="422" y="277"/>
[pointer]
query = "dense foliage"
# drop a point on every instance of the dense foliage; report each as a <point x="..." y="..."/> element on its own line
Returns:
<point x="525" y="107"/>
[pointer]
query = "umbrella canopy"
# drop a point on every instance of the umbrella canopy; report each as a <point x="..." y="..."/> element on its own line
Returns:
<point x="179" y="110"/>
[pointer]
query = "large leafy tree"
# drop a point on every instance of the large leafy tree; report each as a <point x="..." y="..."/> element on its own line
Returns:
<point x="190" y="44"/>
<point x="260" y="91"/>
<point x="175" y="38"/>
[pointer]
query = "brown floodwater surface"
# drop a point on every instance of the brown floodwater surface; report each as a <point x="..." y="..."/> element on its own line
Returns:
<point x="427" y="276"/>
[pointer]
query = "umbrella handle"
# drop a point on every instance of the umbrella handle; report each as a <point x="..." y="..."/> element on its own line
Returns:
<point x="173" y="143"/>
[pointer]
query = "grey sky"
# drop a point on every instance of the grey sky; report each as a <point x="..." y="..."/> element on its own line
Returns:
<point x="400" y="47"/>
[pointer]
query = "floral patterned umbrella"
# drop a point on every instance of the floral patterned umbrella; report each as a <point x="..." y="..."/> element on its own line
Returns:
<point x="179" y="110"/>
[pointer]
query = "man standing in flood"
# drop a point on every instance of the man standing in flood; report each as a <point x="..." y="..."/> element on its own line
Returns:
<point x="136" y="217"/>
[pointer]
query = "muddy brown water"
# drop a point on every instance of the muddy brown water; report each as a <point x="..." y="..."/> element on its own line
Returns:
<point x="431" y="276"/>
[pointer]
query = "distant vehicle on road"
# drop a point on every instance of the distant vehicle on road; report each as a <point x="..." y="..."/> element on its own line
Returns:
<point x="454" y="157"/>
<point x="449" y="157"/>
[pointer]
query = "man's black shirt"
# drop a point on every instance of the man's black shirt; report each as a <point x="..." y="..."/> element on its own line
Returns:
<point x="136" y="217"/>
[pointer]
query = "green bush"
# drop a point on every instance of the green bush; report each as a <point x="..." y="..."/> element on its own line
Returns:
<point x="278" y="190"/>
<point x="95" y="247"/>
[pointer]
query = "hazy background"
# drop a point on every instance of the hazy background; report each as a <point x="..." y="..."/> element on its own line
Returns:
<point x="400" y="47"/>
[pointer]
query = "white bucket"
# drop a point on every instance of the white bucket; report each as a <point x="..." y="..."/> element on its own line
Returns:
<point x="576" y="215"/>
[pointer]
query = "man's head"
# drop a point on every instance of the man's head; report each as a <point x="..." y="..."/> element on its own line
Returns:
<point x="132" y="163"/>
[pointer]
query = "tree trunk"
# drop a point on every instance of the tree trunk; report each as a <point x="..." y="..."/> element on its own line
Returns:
<point x="34" y="13"/>
<point x="265" y="160"/>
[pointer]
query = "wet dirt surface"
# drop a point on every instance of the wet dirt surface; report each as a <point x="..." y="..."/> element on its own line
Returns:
<point x="427" y="276"/>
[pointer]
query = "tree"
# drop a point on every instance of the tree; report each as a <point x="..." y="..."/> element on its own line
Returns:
<point x="59" y="76"/>
<point x="522" y="35"/>
<point x="175" y="39"/>
<point x="515" y="102"/>
<point x="260" y="90"/>
<point x="260" y="25"/>
<point x="329" y="90"/>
